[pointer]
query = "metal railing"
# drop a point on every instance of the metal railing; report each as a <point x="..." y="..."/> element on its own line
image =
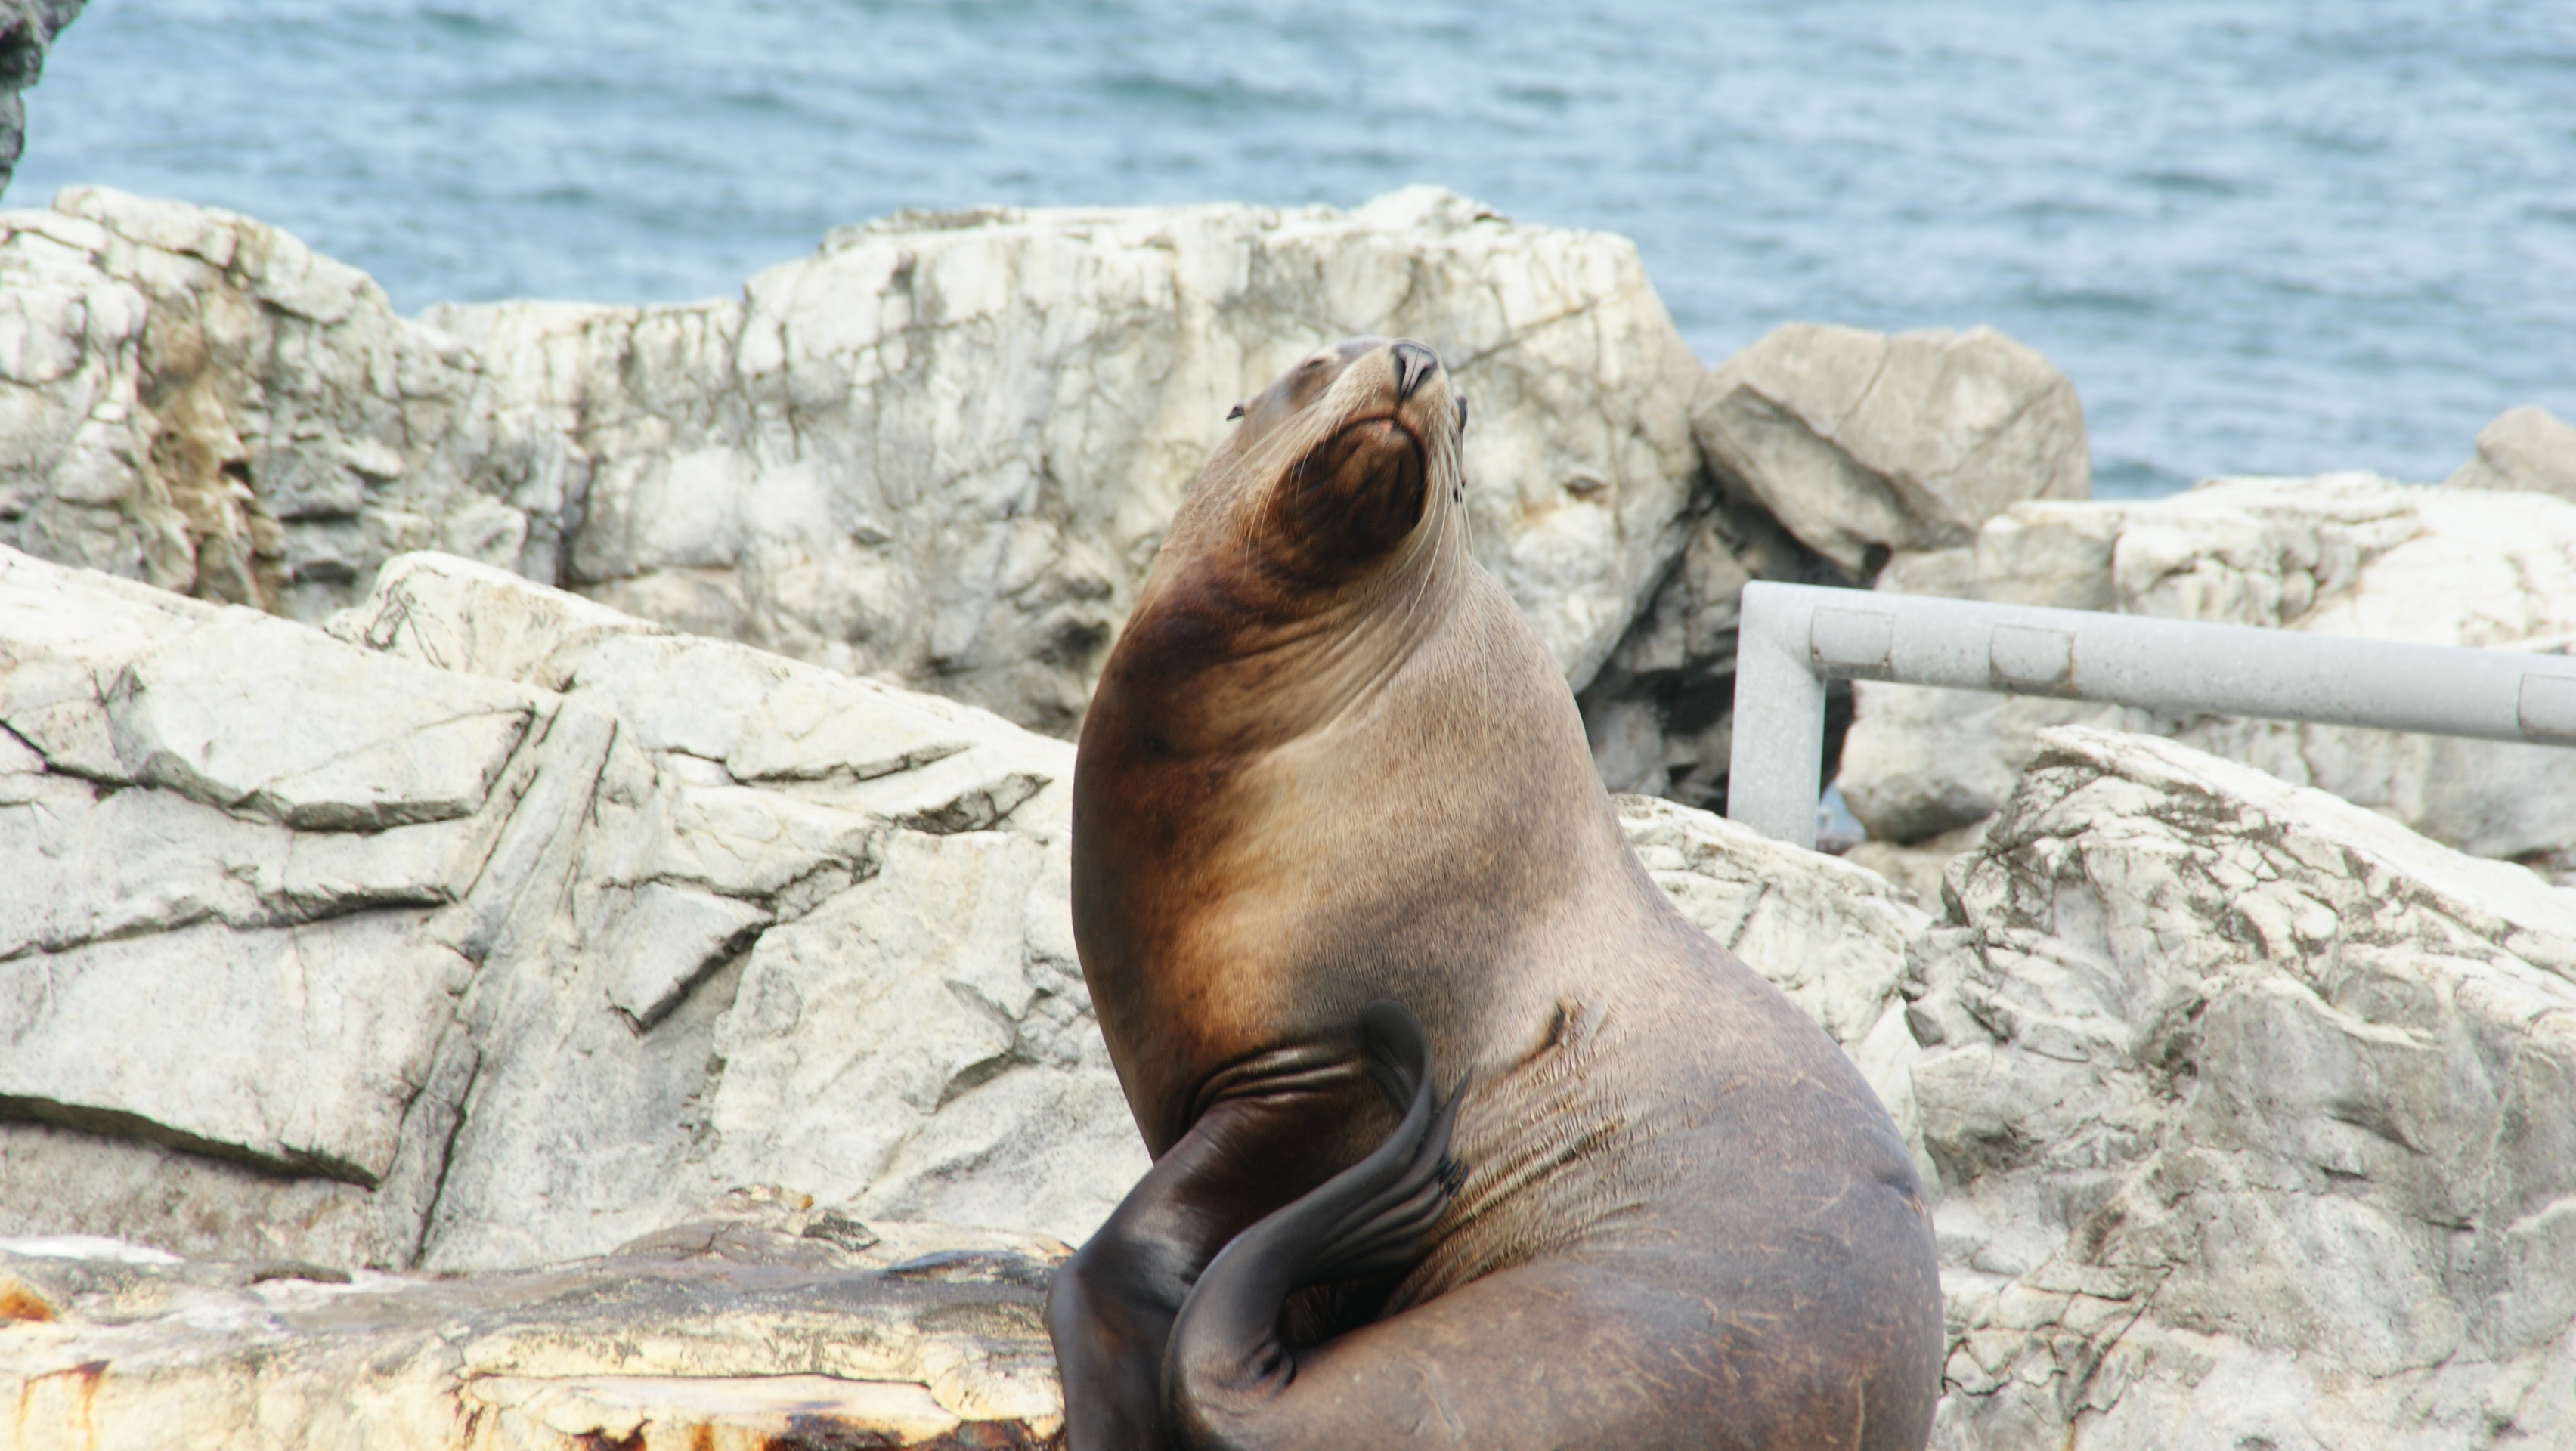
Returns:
<point x="1793" y="638"/>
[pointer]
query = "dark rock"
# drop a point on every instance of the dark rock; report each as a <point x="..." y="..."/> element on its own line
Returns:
<point x="27" y="31"/>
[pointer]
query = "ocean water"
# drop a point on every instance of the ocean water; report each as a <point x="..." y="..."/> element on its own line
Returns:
<point x="2275" y="238"/>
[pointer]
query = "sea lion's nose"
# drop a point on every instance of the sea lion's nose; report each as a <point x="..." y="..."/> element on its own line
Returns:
<point x="1413" y="363"/>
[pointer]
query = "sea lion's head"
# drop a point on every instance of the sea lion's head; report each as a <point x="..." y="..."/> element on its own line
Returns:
<point x="1303" y="557"/>
<point x="1346" y="458"/>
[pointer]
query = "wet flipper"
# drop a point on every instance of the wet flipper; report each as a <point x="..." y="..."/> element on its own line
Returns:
<point x="1225" y="1349"/>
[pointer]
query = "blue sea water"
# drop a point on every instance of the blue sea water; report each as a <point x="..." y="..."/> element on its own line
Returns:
<point x="2282" y="238"/>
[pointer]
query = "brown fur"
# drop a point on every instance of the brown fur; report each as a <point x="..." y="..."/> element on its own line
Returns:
<point x="1330" y="762"/>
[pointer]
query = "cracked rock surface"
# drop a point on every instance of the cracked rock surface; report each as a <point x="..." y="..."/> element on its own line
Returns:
<point x="939" y="452"/>
<point x="1831" y="450"/>
<point x="2254" y="1116"/>
<point x="1868" y="444"/>
<point x="503" y="926"/>
<point x="2339" y="554"/>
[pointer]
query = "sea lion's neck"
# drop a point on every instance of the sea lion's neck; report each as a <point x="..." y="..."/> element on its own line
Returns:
<point x="1207" y="663"/>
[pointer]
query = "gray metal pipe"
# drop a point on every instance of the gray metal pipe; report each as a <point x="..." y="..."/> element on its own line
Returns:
<point x="1793" y="638"/>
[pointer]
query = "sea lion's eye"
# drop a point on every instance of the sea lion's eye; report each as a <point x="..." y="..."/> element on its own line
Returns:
<point x="1234" y="413"/>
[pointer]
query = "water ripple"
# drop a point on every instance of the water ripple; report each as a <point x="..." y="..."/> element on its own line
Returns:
<point x="2276" y="240"/>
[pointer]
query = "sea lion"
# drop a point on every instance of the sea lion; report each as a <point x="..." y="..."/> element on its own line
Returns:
<point x="1332" y="786"/>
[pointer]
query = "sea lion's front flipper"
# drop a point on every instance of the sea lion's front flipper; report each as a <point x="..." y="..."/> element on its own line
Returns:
<point x="1111" y="1309"/>
<point x="1225" y="1346"/>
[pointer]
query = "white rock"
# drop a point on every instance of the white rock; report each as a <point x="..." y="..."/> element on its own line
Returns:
<point x="941" y="941"/>
<point x="187" y="1201"/>
<point x="2522" y="449"/>
<point x="490" y="1036"/>
<point x="1918" y="870"/>
<point x="301" y="1048"/>
<point x="257" y="451"/>
<point x="252" y="714"/>
<point x="940" y="452"/>
<point x="2252" y="1113"/>
<point x="2341" y="554"/>
<point x="1863" y="444"/>
<point x="752" y="804"/>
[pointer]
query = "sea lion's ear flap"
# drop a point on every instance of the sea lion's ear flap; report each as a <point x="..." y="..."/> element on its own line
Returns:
<point x="1234" y="413"/>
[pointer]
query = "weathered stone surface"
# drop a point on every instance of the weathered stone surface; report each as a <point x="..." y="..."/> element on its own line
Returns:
<point x="2341" y="554"/>
<point x="299" y="1048"/>
<point x="2523" y="449"/>
<point x="193" y="399"/>
<point x="1917" y="869"/>
<point x="2249" y="1110"/>
<point x="763" y="1323"/>
<point x="993" y="414"/>
<point x="2254" y="1116"/>
<point x="27" y="31"/>
<point x="939" y="452"/>
<point x="978" y="921"/>
<point x="418" y="945"/>
<point x="1864" y="444"/>
<point x="760" y="804"/>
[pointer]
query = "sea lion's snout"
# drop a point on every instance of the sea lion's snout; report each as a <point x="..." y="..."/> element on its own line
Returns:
<point x="1357" y="494"/>
<point x="1372" y="423"/>
<point x="1413" y="363"/>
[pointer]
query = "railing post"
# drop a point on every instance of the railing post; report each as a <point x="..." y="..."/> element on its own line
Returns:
<point x="1778" y="747"/>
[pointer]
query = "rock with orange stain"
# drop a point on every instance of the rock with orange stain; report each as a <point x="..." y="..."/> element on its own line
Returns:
<point x="762" y="1323"/>
<point x="20" y="1302"/>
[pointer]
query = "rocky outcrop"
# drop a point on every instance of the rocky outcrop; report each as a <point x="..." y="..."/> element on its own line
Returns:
<point x="2251" y="1112"/>
<point x="197" y="401"/>
<point x="2345" y="554"/>
<point x="2243" y="1111"/>
<point x="1837" y="454"/>
<point x="939" y="452"/>
<point x="27" y="31"/>
<point x="763" y="1321"/>
<point x="1829" y="934"/>
<point x="496" y="927"/>
<point x="2524" y="449"/>
<point x="1865" y="445"/>
<point x="507" y="926"/>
